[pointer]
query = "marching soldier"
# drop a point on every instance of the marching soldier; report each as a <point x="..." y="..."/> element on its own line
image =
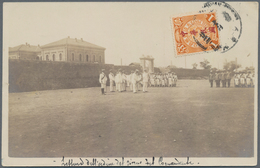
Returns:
<point x="102" y="81"/>
<point x="119" y="80"/>
<point x="123" y="81"/>
<point x="175" y="79"/>
<point x="135" y="80"/>
<point x="131" y="84"/>
<point x="211" y="78"/>
<point x="112" y="80"/>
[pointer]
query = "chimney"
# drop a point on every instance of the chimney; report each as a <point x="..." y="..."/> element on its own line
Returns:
<point x="26" y="43"/>
<point x="68" y="36"/>
<point x="76" y="39"/>
<point x="38" y="45"/>
<point x="81" y="39"/>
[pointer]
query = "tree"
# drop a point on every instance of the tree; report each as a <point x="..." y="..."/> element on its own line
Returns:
<point x="250" y="68"/>
<point x="231" y="65"/>
<point x="205" y="64"/>
<point x="194" y="65"/>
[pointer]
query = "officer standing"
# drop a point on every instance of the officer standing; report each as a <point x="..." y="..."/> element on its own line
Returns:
<point x="217" y="79"/>
<point x="102" y="81"/>
<point x="223" y="79"/>
<point x="211" y="78"/>
<point x="228" y="78"/>
<point x="112" y="79"/>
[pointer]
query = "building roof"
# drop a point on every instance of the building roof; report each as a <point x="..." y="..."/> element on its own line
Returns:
<point x="134" y="64"/>
<point x="25" y="47"/>
<point x="73" y="42"/>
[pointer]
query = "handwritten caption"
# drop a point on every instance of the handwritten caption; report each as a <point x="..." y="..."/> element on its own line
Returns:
<point x="126" y="161"/>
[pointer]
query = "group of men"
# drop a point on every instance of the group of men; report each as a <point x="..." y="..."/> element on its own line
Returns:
<point x="224" y="77"/>
<point x="120" y="81"/>
<point x="242" y="79"/>
<point x="164" y="80"/>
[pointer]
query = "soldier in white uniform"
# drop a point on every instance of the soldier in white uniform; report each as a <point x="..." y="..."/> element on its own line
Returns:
<point x="102" y="81"/>
<point x="123" y="81"/>
<point x="175" y="79"/>
<point x="145" y="80"/>
<point x="112" y="80"/>
<point x="139" y="85"/>
<point x="119" y="80"/>
<point x="130" y="80"/>
<point x="135" y="80"/>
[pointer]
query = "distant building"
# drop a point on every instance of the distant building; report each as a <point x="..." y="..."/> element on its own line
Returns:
<point x="25" y="51"/>
<point x="135" y="64"/>
<point x="73" y="50"/>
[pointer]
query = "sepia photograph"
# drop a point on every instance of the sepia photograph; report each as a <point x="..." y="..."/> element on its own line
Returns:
<point x="130" y="83"/>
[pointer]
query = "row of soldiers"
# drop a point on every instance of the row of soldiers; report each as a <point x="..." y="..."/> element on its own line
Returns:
<point x="164" y="80"/>
<point x="224" y="78"/>
<point x="242" y="79"/>
<point x="120" y="81"/>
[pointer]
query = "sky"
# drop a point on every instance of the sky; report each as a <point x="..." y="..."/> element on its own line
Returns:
<point x="127" y="30"/>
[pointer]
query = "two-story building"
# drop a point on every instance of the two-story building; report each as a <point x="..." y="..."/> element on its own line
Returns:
<point x="73" y="50"/>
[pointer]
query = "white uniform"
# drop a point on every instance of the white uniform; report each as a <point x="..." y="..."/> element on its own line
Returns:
<point x="135" y="79"/>
<point x="119" y="81"/>
<point x="145" y="81"/>
<point x="124" y="82"/>
<point x="103" y="80"/>
<point x="112" y="79"/>
<point x="130" y="81"/>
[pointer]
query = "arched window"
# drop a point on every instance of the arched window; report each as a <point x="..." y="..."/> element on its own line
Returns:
<point x="87" y="58"/>
<point x="60" y="56"/>
<point x="47" y="57"/>
<point x="72" y="57"/>
<point x="80" y="57"/>
<point x="53" y="57"/>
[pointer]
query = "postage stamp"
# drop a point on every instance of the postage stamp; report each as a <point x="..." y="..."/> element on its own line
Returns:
<point x="195" y="33"/>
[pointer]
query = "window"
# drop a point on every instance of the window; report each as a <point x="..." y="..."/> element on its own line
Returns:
<point x="53" y="57"/>
<point x="100" y="59"/>
<point x="80" y="57"/>
<point x="60" y="57"/>
<point x="94" y="58"/>
<point x="87" y="58"/>
<point x="72" y="57"/>
<point x="47" y="57"/>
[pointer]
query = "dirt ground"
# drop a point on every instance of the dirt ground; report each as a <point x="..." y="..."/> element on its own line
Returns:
<point x="190" y="120"/>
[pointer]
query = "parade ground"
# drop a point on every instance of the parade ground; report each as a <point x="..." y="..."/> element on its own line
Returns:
<point x="191" y="119"/>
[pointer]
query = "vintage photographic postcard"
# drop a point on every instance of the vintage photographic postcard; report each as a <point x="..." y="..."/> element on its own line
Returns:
<point x="130" y="83"/>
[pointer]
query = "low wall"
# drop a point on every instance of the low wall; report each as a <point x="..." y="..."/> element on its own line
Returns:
<point x="191" y="73"/>
<point x="32" y="75"/>
<point x="28" y="75"/>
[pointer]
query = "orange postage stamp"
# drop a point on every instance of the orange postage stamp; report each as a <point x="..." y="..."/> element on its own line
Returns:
<point x="195" y="33"/>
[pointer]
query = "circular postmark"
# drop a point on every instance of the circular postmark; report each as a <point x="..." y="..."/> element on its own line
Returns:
<point x="229" y="24"/>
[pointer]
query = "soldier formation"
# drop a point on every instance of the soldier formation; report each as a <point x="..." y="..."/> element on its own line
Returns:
<point x="223" y="78"/>
<point x="243" y="79"/>
<point x="136" y="80"/>
<point x="164" y="80"/>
